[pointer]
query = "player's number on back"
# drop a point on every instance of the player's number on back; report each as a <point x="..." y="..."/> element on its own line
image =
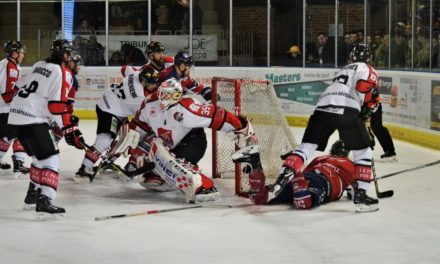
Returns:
<point x="26" y="91"/>
<point x="116" y="88"/>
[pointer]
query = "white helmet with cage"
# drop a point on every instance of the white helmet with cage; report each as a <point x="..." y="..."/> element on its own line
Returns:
<point x="170" y="92"/>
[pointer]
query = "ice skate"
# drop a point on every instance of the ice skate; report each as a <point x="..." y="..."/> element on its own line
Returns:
<point x="30" y="201"/>
<point x="388" y="156"/>
<point x="20" y="171"/>
<point x="46" y="210"/>
<point x="152" y="182"/>
<point x="83" y="175"/>
<point x="364" y="203"/>
<point x="211" y="195"/>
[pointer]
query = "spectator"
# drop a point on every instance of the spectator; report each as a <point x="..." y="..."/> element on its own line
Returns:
<point x="295" y="58"/>
<point x="139" y="26"/>
<point x="79" y="47"/>
<point x="325" y="51"/>
<point x="344" y="50"/>
<point x="95" y="53"/>
<point x="421" y="59"/>
<point x="436" y="52"/>
<point x="162" y="14"/>
<point x="85" y="27"/>
<point x="375" y="45"/>
<point x="360" y="36"/>
<point x="116" y="59"/>
<point x="398" y="51"/>
<point x="353" y="38"/>
<point x="382" y="53"/>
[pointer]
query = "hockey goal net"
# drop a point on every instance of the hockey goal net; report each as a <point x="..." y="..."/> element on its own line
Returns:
<point x="257" y="100"/>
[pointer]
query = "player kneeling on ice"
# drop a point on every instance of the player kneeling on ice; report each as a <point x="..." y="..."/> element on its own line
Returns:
<point x="322" y="181"/>
<point x="164" y="122"/>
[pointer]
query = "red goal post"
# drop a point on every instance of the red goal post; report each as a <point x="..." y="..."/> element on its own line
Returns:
<point x="257" y="100"/>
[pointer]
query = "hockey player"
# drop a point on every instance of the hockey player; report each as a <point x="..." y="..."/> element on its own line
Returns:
<point x="171" y="117"/>
<point x="342" y="106"/>
<point x="156" y="59"/>
<point x="116" y="105"/>
<point x="42" y="100"/>
<point x="322" y="181"/>
<point x="9" y="75"/>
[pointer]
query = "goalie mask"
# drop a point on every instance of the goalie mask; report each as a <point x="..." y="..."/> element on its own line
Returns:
<point x="360" y="53"/>
<point x="338" y="149"/>
<point x="170" y="92"/>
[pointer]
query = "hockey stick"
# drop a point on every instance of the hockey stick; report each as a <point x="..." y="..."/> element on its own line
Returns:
<point x="158" y="211"/>
<point x="130" y="174"/>
<point x="379" y="194"/>
<point x="408" y="170"/>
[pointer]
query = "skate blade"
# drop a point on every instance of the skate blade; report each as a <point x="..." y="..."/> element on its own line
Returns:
<point x="362" y="208"/>
<point x="43" y="216"/>
<point x="21" y="176"/>
<point x="81" y="179"/>
<point x="28" y="207"/>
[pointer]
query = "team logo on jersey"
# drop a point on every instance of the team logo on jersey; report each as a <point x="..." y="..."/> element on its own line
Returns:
<point x="13" y="73"/>
<point x="206" y="110"/>
<point x="153" y="111"/>
<point x="178" y="116"/>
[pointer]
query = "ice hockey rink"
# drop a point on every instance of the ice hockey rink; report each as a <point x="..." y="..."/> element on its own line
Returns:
<point x="406" y="229"/>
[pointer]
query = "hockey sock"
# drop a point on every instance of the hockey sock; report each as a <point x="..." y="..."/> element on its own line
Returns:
<point x="4" y="146"/>
<point x="49" y="183"/>
<point x="18" y="150"/>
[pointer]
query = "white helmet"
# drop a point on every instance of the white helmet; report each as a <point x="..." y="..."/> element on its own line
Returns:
<point x="170" y="92"/>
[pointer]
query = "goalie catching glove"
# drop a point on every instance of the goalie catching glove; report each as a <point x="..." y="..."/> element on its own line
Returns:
<point x="245" y="136"/>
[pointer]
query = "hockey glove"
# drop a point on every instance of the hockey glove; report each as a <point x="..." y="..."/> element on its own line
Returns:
<point x="73" y="136"/>
<point x="207" y="94"/>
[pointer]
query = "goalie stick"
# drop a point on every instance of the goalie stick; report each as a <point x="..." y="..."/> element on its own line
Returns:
<point x="158" y="211"/>
<point x="408" y="170"/>
<point x="107" y="162"/>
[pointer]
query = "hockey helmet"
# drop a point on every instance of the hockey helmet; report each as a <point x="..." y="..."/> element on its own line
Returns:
<point x="149" y="75"/>
<point x="59" y="47"/>
<point x="11" y="46"/>
<point x="338" y="149"/>
<point x="170" y="92"/>
<point x="294" y="49"/>
<point x="183" y="57"/>
<point x="154" y="46"/>
<point x="360" y="53"/>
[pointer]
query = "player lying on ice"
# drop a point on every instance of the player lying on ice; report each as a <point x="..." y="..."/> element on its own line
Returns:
<point x="164" y="121"/>
<point x="322" y="181"/>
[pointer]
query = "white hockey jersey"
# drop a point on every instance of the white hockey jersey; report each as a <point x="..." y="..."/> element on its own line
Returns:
<point x="9" y="75"/>
<point x="43" y="98"/>
<point x="173" y="124"/>
<point x="125" y="99"/>
<point x="350" y="87"/>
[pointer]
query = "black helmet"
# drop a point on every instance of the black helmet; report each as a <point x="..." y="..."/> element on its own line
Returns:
<point x="360" y="53"/>
<point x="338" y="149"/>
<point x="11" y="46"/>
<point x="154" y="46"/>
<point x="149" y="75"/>
<point x="183" y="57"/>
<point x="59" y="47"/>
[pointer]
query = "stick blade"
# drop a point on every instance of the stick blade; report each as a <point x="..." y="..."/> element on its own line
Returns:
<point x="385" y="194"/>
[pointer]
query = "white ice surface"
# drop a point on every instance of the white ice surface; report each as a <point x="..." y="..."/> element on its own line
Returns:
<point x="406" y="229"/>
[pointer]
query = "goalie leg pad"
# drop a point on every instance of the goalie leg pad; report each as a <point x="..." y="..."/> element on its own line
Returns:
<point x="184" y="176"/>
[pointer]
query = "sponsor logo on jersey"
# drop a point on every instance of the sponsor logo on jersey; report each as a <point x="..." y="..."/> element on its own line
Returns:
<point x="153" y="111"/>
<point x="13" y="73"/>
<point x="178" y="116"/>
<point x="166" y="135"/>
